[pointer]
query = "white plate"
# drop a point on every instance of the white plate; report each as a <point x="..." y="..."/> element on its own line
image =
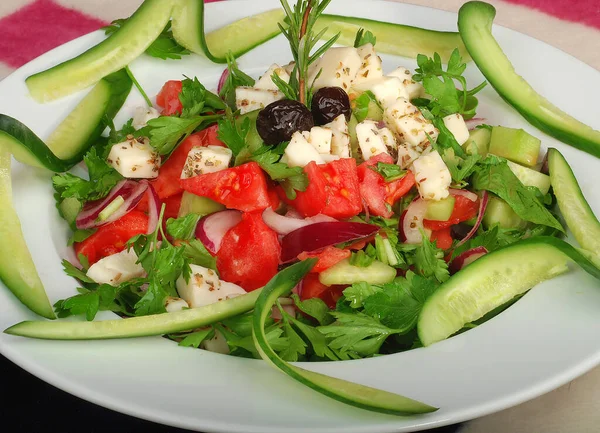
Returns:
<point x="546" y="339"/>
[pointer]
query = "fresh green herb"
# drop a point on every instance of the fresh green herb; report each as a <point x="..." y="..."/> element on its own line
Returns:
<point x="166" y="132"/>
<point x="460" y="168"/>
<point x="234" y="134"/>
<point x="80" y="235"/>
<point x="358" y="292"/>
<point x="194" y="339"/>
<point x="360" y="106"/>
<point x="317" y="340"/>
<point x="363" y="38"/>
<point x="195" y="99"/>
<point x="75" y="272"/>
<point x="495" y="175"/>
<point x="235" y="78"/>
<point x="119" y="135"/>
<point x="102" y="178"/>
<point x="360" y="259"/>
<point x="164" y="46"/>
<point x="296" y="345"/>
<point x="197" y="254"/>
<point x="184" y="227"/>
<point x="429" y="261"/>
<point x="315" y="308"/>
<point x="390" y="172"/>
<point x="103" y="298"/>
<point x="290" y="177"/>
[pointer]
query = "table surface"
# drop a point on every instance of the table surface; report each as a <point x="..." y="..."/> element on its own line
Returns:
<point x="573" y="26"/>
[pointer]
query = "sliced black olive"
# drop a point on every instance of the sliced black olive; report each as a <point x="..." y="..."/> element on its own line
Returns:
<point x="280" y="119"/>
<point x="328" y="103"/>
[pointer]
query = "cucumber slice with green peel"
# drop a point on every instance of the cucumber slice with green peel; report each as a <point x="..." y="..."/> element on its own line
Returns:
<point x="397" y="39"/>
<point x="110" y="55"/>
<point x="345" y="273"/>
<point x="192" y="203"/>
<point x="74" y="136"/>
<point x="69" y="208"/>
<point x="440" y="210"/>
<point x="575" y="209"/>
<point x="350" y="393"/>
<point x="17" y="270"/>
<point x="478" y="142"/>
<point x="142" y="326"/>
<point x="499" y="212"/>
<point x="238" y="37"/>
<point x="475" y="27"/>
<point x="516" y="145"/>
<point x="493" y="280"/>
<point x="530" y="177"/>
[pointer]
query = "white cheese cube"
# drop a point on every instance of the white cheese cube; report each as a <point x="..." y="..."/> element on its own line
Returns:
<point x="175" y="304"/>
<point x="329" y="158"/>
<point x="266" y="81"/>
<point x="370" y="140"/>
<point x="371" y="64"/>
<point x="387" y="136"/>
<point x="340" y="140"/>
<point x="432" y="176"/>
<point x="134" y="159"/>
<point x="320" y="138"/>
<point x="386" y="89"/>
<point x="300" y="152"/>
<point x="414" y="89"/>
<point x="457" y="126"/>
<point x="217" y="344"/>
<point x="249" y="99"/>
<point x="407" y="154"/>
<point x="209" y="159"/>
<point x="116" y="268"/>
<point x="142" y="115"/>
<point x="205" y="288"/>
<point x="338" y="68"/>
<point x="401" y="107"/>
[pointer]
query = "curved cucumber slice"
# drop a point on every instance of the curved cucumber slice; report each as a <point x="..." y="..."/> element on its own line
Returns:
<point x="493" y="280"/>
<point x="112" y="54"/>
<point x="398" y="39"/>
<point x="238" y="37"/>
<point x="575" y="209"/>
<point x="347" y="392"/>
<point x="143" y="326"/>
<point x="345" y="273"/>
<point x="73" y="137"/>
<point x="475" y="26"/>
<point x="17" y="270"/>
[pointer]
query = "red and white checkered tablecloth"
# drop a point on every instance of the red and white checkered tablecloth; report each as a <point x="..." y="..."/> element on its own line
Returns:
<point x="29" y="28"/>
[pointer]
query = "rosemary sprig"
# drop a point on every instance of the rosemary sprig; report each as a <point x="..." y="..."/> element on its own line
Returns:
<point x="302" y="18"/>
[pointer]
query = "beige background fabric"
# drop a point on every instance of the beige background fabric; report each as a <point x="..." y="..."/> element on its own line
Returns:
<point x="573" y="408"/>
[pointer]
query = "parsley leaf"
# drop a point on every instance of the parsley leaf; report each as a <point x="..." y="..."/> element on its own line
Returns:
<point x="314" y="307"/>
<point x="89" y="302"/>
<point x="317" y="339"/>
<point x="79" y="235"/>
<point x="75" y="272"/>
<point x="429" y="261"/>
<point x="166" y="131"/>
<point x="234" y="136"/>
<point x="235" y="78"/>
<point x="194" y="339"/>
<point x="358" y="292"/>
<point x="360" y="106"/>
<point x="363" y="38"/>
<point x="292" y="178"/>
<point x="195" y="99"/>
<point x="496" y="176"/>
<point x="296" y="345"/>
<point x="184" y="227"/>
<point x="360" y="259"/>
<point x="102" y="178"/>
<point x="390" y="172"/>
<point x="460" y="168"/>
<point x="197" y="254"/>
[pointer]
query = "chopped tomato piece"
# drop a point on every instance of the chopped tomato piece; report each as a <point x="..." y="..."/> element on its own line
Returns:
<point x="167" y="182"/>
<point x="168" y="97"/>
<point x="326" y="258"/>
<point x="249" y="253"/>
<point x="442" y="238"/>
<point x="313" y="288"/>
<point x="243" y="187"/>
<point x="111" y="238"/>
<point x="464" y="210"/>
<point x="379" y="195"/>
<point x="332" y="190"/>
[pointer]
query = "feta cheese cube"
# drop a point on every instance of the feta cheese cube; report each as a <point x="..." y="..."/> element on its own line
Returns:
<point x="338" y="68"/>
<point x="320" y="138"/>
<point x="370" y="139"/>
<point x="432" y="176"/>
<point x="300" y="152"/>
<point x="401" y="107"/>
<point x="457" y="126"/>
<point x="142" y="115"/>
<point x="414" y="89"/>
<point x="371" y="64"/>
<point x="209" y="159"/>
<point x="409" y="125"/>
<point x="387" y="136"/>
<point x="266" y="82"/>
<point x="407" y="154"/>
<point x="175" y="304"/>
<point x="386" y="89"/>
<point x="134" y="159"/>
<point x="205" y="288"/>
<point x="340" y="140"/>
<point x="329" y="158"/>
<point x="217" y="344"/>
<point x="116" y="268"/>
<point x="249" y="99"/>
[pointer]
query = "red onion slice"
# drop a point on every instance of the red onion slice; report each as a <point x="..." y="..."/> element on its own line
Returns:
<point x="463" y="192"/>
<point x="466" y="258"/>
<point x="284" y="224"/>
<point x="154" y="206"/>
<point x="412" y="222"/>
<point x="222" y="80"/>
<point x="317" y="236"/>
<point x="212" y="228"/>
<point x="131" y="192"/>
<point x="475" y="122"/>
<point x="482" y="207"/>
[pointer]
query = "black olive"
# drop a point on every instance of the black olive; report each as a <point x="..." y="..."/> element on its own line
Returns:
<point x="459" y="231"/>
<point x="328" y="103"/>
<point x="280" y="119"/>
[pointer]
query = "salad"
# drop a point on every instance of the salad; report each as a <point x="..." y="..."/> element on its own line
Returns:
<point x="334" y="208"/>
